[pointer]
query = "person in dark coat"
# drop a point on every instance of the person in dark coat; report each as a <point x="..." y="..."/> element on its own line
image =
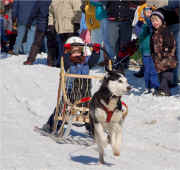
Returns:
<point x="21" y="12"/>
<point x="173" y="11"/>
<point x="40" y="13"/>
<point x="119" y="25"/>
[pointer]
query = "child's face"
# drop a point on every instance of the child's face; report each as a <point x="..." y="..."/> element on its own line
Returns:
<point x="76" y="51"/>
<point x="156" y="21"/>
<point x="147" y="12"/>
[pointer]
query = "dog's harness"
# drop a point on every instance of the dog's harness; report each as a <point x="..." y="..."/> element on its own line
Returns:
<point x="110" y="113"/>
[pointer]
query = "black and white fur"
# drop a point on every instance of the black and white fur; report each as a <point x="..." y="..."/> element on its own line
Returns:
<point x="114" y="85"/>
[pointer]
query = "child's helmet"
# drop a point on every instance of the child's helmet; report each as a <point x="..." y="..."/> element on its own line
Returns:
<point x="76" y="39"/>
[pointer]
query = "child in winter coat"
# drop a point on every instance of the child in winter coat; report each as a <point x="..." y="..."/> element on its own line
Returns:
<point x="79" y="56"/>
<point x="79" y="63"/>
<point x="150" y="74"/>
<point x="163" y="47"/>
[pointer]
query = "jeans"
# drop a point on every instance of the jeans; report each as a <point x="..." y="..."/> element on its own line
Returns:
<point x="176" y="31"/>
<point x="97" y="37"/>
<point x="116" y="35"/>
<point x="19" y="46"/>
<point x="150" y="74"/>
<point x="30" y="38"/>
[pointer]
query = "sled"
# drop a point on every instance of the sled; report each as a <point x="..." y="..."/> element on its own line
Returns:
<point x="72" y="109"/>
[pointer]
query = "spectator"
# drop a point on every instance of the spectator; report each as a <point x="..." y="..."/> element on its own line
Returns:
<point x="9" y="27"/>
<point x="96" y="19"/>
<point x="173" y="11"/>
<point x="163" y="47"/>
<point x="21" y="13"/>
<point x="150" y="74"/>
<point x="40" y="13"/>
<point x="137" y="24"/>
<point x="64" y="16"/>
<point x="3" y="37"/>
<point x="52" y="46"/>
<point x="118" y="29"/>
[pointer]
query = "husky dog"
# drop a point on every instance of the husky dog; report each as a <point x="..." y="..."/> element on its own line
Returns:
<point x="106" y="113"/>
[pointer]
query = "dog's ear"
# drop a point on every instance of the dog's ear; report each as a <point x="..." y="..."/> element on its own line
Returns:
<point x="119" y="69"/>
<point x="107" y="69"/>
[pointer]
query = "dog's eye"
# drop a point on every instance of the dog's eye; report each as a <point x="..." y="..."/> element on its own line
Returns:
<point x="120" y="81"/>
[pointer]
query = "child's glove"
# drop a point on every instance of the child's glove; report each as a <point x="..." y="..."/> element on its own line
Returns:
<point x="51" y="28"/>
<point x="96" y="47"/>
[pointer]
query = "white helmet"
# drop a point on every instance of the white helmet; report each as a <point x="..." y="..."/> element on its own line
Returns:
<point x="75" y="39"/>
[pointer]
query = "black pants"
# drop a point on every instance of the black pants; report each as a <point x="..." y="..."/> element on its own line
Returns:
<point x="52" y="48"/>
<point x="166" y="79"/>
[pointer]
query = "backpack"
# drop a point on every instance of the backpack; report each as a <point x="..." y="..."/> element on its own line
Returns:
<point x="91" y="21"/>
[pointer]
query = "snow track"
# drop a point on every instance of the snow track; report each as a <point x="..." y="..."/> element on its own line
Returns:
<point x="151" y="137"/>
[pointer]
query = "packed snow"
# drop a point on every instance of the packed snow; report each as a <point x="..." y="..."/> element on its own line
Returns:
<point x="151" y="135"/>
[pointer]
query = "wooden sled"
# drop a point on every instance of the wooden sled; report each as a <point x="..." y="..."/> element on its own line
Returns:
<point x="69" y="112"/>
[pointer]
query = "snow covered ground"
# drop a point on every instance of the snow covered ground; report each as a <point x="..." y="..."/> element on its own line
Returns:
<point x="151" y="132"/>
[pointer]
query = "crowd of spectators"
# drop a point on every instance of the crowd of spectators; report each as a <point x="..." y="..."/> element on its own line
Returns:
<point x="29" y="27"/>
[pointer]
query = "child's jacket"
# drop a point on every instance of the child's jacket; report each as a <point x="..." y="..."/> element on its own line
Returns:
<point x="163" y="47"/>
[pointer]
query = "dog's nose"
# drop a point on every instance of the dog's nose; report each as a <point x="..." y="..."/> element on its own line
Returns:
<point x="128" y="88"/>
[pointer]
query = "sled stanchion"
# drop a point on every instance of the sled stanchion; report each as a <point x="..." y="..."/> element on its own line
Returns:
<point x="64" y="97"/>
<point x="58" y="103"/>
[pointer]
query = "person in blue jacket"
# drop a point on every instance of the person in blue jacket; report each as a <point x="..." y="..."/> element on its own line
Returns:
<point x="21" y="13"/>
<point x="39" y="13"/>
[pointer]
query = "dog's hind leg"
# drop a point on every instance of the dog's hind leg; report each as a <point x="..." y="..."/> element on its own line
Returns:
<point x="116" y="140"/>
<point x="101" y="141"/>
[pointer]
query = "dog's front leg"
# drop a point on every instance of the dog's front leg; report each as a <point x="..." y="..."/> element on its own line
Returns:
<point x="101" y="141"/>
<point x="116" y="140"/>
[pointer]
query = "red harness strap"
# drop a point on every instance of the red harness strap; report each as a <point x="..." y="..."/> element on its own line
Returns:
<point x="110" y="113"/>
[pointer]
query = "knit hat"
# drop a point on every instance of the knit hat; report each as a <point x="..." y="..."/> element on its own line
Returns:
<point x="159" y="14"/>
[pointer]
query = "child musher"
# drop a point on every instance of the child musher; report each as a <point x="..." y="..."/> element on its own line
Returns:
<point x="78" y="62"/>
<point x="144" y="35"/>
<point x="163" y="47"/>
